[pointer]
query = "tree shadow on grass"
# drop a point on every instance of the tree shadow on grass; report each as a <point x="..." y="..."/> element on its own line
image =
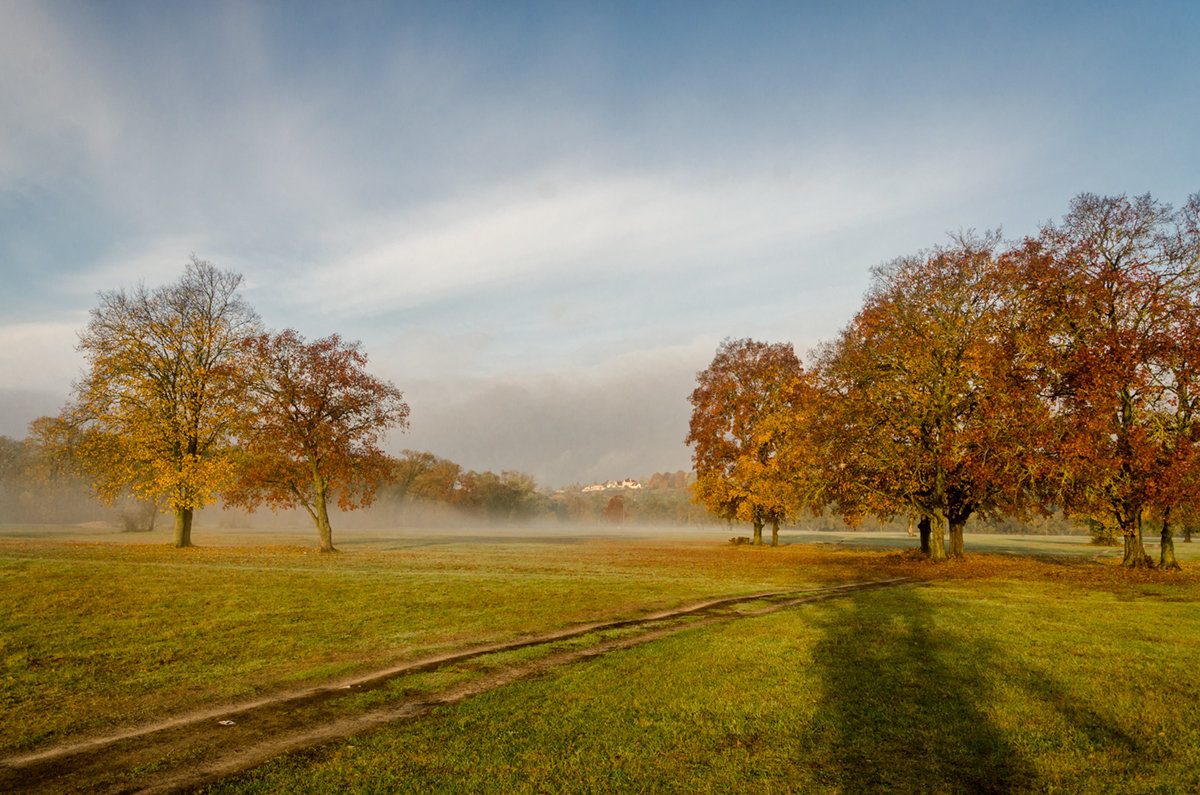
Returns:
<point x="903" y="702"/>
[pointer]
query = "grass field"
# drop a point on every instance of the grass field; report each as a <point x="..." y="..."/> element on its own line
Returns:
<point x="1001" y="673"/>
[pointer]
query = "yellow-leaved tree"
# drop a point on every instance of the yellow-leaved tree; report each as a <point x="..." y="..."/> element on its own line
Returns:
<point x="741" y="409"/>
<point x="157" y="404"/>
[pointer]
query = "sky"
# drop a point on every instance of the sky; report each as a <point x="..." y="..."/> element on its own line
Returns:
<point x="541" y="219"/>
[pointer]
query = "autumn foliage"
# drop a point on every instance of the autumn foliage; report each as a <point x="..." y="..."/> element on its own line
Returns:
<point x="983" y="378"/>
<point x="740" y="412"/>
<point x="922" y="412"/>
<point x="186" y="400"/>
<point x="312" y="426"/>
<point x="154" y="412"/>
<point x="1114" y="307"/>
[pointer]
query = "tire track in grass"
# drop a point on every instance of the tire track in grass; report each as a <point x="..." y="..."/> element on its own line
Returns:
<point x="190" y="750"/>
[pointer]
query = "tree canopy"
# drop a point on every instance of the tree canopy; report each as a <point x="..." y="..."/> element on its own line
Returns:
<point x="155" y="408"/>
<point x="312" y="426"/>
<point x="1113" y="305"/>
<point x="921" y="413"/>
<point x="738" y="424"/>
<point x="982" y="378"/>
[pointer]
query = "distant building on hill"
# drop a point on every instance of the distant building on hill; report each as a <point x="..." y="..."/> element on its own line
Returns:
<point x="627" y="483"/>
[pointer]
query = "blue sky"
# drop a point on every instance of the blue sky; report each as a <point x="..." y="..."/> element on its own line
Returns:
<point x="541" y="219"/>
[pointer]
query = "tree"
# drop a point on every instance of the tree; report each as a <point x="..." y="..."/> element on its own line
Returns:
<point x="423" y="476"/>
<point x="614" y="511"/>
<point x="159" y="399"/>
<point x="920" y="408"/>
<point x="1115" y="311"/>
<point x="504" y="497"/>
<point x="14" y="475"/>
<point x="66" y="459"/>
<point x="312" y="426"/>
<point x="740" y="412"/>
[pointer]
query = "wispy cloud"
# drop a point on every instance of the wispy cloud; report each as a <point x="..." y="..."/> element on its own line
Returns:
<point x="497" y="204"/>
<point x="623" y="225"/>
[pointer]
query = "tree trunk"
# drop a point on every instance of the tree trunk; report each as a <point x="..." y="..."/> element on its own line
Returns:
<point x="912" y="524"/>
<point x="937" y="536"/>
<point x="923" y="526"/>
<point x="1187" y="534"/>
<point x="183" y="526"/>
<point x="956" y="539"/>
<point x="774" y="534"/>
<point x="1135" y="553"/>
<point x="758" y="526"/>
<point x="1166" y="556"/>
<point x="324" y="530"/>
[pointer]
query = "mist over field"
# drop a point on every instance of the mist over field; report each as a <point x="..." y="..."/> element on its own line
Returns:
<point x="595" y="425"/>
<point x="19" y="407"/>
<point x="611" y="420"/>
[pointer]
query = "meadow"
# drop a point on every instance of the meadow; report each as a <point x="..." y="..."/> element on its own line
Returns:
<point x="1035" y="665"/>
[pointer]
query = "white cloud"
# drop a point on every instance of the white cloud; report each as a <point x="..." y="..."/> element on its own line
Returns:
<point x="617" y="224"/>
<point x="502" y="240"/>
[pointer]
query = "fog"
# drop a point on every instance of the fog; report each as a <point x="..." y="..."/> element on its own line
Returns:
<point x="19" y="407"/>
<point x="558" y="428"/>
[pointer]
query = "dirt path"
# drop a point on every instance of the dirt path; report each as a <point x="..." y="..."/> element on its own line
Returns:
<point x="188" y="751"/>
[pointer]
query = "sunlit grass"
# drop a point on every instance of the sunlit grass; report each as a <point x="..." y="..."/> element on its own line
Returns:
<point x="996" y="673"/>
<point x="104" y="635"/>
<point x="986" y="686"/>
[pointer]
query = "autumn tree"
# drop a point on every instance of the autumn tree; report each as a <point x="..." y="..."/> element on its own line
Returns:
<point x="1114" y="307"/>
<point x="614" y="511"/>
<point x="312" y="426"/>
<point x="506" y="496"/>
<point x="14" y="476"/>
<point x="1173" y="427"/>
<point x="740" y="412"/>
<point x="920" y="410"/>
<point x="418" y="475"/>
<point x="159" y="398"/>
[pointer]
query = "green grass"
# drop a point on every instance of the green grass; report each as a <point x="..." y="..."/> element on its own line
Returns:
<point x="993" y="543"/>
<point x="99" y="636"/>
<point x="1000" y="673"/>
<point x="945" y="688"/>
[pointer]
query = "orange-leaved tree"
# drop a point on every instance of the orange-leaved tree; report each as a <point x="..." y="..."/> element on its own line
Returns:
<point x="1114" y="306"/>
<point x="155" y="409"/>
<point x="312" y="427"/>
<point x="741" y="412"/>
<point x="920" y="409"/>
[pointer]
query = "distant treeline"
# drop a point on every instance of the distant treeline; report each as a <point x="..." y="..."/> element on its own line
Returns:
<point x="420" y="488"/>
<point x="426" y="488"/>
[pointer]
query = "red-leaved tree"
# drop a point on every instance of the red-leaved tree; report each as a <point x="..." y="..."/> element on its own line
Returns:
<point x="1115" y="306"/>
<point x="313" y="427"/>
